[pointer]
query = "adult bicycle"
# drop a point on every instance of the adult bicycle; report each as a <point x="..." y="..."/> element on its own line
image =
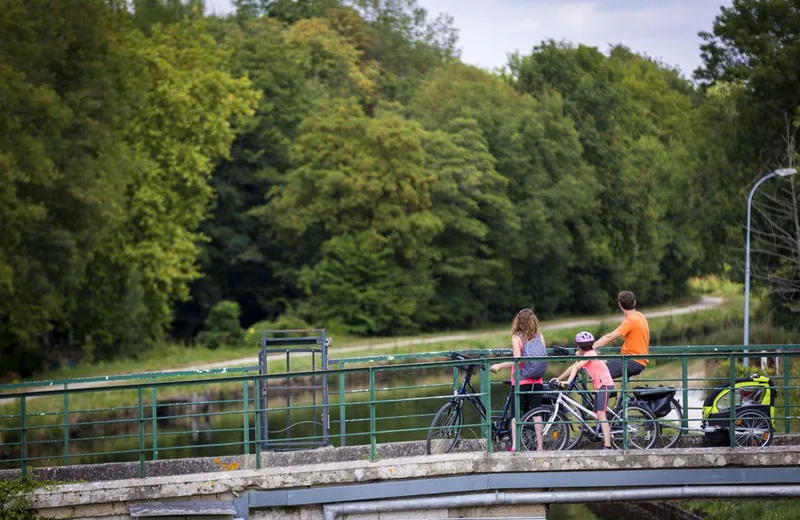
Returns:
<point x="445" y="429"/>
<point x="566" y="421"/>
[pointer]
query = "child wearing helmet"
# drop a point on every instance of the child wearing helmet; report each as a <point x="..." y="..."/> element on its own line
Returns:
<point x="601" y="379"/>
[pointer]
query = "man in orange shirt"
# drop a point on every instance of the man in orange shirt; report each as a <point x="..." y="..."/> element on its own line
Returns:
<point x="636" y="332"/>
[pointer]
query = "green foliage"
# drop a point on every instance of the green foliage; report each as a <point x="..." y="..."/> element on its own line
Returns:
<point x="287" y="321"/>
<point x="469" y="198"/>
<point x="359" y="203"/>
<point x="752" y="90"/>
<point x="714" y="284"/>
<point x="629" y="113"/>
<point x="222" y="326"/>
<point x="332" y="163"/>
<point x="108" y="144"/>
<point x="15" y="498"/>
<point x="746" y="509"/>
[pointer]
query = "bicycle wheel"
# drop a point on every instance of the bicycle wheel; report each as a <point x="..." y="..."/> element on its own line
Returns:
<point x="445" y="430"/>
<point x="642" y="429"/>
<point x="753" y="428"/>
<point x="670" y="427"/>
<point x="575" y="427"/>
<point x="555" y="433"/>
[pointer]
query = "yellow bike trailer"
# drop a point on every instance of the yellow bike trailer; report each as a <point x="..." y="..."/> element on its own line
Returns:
<point x="754" y="412"/>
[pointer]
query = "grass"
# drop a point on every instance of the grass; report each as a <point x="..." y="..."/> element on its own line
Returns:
<point x="172" y="356"/>
<point x="677" y="328"/>
<point x="746" y="510"/>
<point x="176" y="356"/>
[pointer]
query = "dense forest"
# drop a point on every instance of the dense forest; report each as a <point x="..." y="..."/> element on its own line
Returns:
<point x="333" y="163"/>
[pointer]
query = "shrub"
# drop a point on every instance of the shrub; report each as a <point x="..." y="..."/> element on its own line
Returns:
<point x="222" y="327"/>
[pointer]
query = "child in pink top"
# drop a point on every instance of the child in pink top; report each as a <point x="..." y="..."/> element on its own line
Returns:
<point x="601" y="379"/>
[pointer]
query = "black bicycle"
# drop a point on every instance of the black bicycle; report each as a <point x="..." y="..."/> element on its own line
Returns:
<point x="445" y="430"/>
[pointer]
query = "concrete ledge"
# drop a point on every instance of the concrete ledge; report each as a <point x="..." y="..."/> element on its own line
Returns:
<point x="233" y="483"/>
<point x="226" y="464"/>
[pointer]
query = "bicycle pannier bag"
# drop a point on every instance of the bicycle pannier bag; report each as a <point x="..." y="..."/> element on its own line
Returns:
<point x="533" y="369"/>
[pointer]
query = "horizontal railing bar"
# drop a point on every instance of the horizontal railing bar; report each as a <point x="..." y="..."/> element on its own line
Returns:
<point x="386" y="368"/>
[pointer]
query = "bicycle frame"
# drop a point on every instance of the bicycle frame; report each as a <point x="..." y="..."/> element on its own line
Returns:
<point x="468" y="392"/>
<point x="565" y="401"/>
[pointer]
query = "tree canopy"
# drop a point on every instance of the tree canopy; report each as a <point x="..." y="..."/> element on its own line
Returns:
<point x="333" y="163"/>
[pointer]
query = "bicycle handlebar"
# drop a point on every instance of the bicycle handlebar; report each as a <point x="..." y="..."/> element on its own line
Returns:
<point x="458" y="356"/>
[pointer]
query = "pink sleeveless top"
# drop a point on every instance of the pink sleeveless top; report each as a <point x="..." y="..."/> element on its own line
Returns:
<point x="599" y="373"/>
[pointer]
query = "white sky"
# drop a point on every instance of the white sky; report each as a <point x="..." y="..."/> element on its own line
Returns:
<point x="491" y="29"/>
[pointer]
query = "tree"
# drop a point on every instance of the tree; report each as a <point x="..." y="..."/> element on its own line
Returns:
<point x="108" y="139"/>
<point x="628" y="112"/>
<point x="751" y="54"/>
<point x="405" y="43"/>
<point x="550" y="187"/>
<point x="147" y="13"/>
<point x="185" y="122"/>
<point x="62" y="164"/>
<point x="776" y="232"/>
<point x="359" y="182"/>
<point x="470" y="199"/>
<point x="238" y="261"/>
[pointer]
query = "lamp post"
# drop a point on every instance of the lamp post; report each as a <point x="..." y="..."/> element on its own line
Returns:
<point x="782" y="172"/>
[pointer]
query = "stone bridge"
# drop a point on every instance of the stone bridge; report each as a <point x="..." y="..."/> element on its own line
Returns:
<point x="342" y="483"/>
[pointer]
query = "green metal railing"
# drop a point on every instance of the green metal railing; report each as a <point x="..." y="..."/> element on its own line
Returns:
<point x="377" y="399"/>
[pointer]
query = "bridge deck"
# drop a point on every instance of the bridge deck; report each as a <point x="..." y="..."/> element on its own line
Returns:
<point x="498" y="470"/>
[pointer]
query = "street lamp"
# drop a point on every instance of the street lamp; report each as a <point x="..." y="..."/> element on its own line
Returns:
<point x="781" y="172"/>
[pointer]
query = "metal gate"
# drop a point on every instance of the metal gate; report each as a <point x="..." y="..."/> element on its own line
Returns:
<point x="287" y="345"/>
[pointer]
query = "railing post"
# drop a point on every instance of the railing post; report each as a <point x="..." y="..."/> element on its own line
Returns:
<point x="342" y="410"/>
<point x="142" y="472"/>
<point x="786" y="404"/>
<point x="732" y="411"/>
<point x="66" y="425"/>
<point x="373" y="452"/>
<point x="154" y="414"/>
<point x="486" y="384"/>
<point x="685" y="390"/>
<point x="623" y="396"/>
<point x="257" y="385"/>
<point x="246" y="415"/>
<point x="23" y="416"/>
<point x="517" y="418"/>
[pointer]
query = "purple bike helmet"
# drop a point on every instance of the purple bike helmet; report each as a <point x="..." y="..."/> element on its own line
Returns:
<point x="584" y="340"/>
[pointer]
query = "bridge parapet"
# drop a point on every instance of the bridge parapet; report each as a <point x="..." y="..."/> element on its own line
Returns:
<point x="314" y="485"/>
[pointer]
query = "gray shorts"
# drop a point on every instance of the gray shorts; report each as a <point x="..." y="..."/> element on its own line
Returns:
<point x="601" y="398"/>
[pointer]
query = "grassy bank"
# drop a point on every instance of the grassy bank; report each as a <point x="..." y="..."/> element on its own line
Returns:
<point x="746" y="510"/>
<point x="177" y="356"/>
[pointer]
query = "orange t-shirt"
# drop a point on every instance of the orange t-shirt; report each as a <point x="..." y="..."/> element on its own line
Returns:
<point x="637" y="336"/>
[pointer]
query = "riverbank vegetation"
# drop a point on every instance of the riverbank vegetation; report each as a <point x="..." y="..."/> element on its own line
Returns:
<point x="332" y="163"/>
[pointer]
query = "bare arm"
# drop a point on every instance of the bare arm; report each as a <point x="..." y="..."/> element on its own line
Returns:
<point x="608" y="338"/>
<point x="572" y="371"/>
<point x="516" y="349"/>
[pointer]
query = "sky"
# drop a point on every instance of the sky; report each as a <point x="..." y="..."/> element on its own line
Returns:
<point x="489" y="30"/>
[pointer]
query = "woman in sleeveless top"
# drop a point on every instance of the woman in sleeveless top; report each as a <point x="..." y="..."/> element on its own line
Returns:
<point x="524" y="328"/>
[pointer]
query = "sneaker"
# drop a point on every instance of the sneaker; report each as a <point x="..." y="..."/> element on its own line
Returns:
<point x="607" y="448"/>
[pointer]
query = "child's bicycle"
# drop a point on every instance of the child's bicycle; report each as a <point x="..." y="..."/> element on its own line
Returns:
<point x="565" y="422"/>
<point x="659" y="400"/>
<point x="445" y="430"/>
